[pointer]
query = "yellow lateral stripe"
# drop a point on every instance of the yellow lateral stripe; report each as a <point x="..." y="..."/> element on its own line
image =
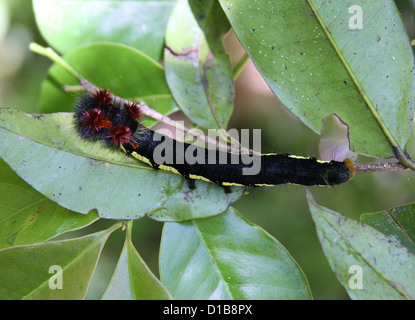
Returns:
<point x="168" y="168"/>
<point x="296" y="157"/>
<point x="147" y="161"/>
<point x="230" y="184"/>
<point x="193" y="176"/>
<point x="141" y="158"/>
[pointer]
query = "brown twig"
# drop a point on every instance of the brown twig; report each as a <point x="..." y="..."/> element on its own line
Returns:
<point x="385" y="166"/>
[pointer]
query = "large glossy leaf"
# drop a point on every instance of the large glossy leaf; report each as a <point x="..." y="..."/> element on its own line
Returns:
<point x="49" y="270"/>
<point x="28" y="217"/>
<point x="198" y="71"/>
<point x="318" y="65"/>
<point x="123" y="70"/>
<point x="369" y="264"/>
<point x="80" y="175"/>
<point x="132" y="279"/>
<point x="138" y="23"/>
<point x="398" y="222"/>
<point x="227" y="257"/>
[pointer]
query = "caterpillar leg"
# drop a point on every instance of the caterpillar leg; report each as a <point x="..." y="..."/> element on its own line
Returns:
<point x="227" y="189"/>
<point x="191" y="183"/>
<point x="154" y="165"/>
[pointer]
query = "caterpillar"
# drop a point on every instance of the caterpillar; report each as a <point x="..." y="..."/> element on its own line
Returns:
<point x="98" y="117"/>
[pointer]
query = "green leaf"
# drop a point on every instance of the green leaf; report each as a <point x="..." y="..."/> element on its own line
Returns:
<point x="398" y="223"/>
<point x="28" y="217"/>
<point x="123" y="70"/>
<point x="367" y="263"/>
<point x="198" y="72"/>
<point x="212" y="21"/>
<point x="132" y="279"/>
<point x="69" y="24"/>
<point x="80" y="175"/>
<point x="51" y="270"/>
<point x="317" y="65"/>
<point x="227" y="257"/>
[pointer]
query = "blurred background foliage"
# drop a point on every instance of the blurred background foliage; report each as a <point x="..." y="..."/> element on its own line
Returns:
<point x="282" y="210"/>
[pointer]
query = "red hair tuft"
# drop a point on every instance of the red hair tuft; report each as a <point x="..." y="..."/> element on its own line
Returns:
<point x="102" y="97"/>
<point x="94" y="120"/>
<point x="133" y="110"/>
<point x="119" y="134"/>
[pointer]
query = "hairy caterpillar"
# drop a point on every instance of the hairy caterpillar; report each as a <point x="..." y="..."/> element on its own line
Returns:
<point x="98" y="117"/>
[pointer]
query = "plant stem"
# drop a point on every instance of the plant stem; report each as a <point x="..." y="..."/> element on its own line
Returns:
<point x="129" y="230"/>
<point x="52" y="55"/>
<point x="237" y="69"/>
<point x="115" y="226"/>
<point x="73" y="88"/>
<point x="384" y="166"/>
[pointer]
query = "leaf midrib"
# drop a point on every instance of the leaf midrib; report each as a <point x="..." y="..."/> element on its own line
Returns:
<point x="359" y="87"/>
